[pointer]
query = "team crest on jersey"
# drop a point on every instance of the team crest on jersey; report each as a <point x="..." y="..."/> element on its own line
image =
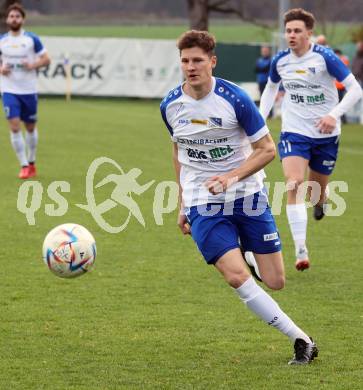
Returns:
<point x="312" y="70"/>
<point x="215" y="122"/>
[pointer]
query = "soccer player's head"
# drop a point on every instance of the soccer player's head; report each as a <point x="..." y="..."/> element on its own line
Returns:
<point x="299" y="25"/>
<point x="197" y="56"/>
<point x="15" y="16"/>
<point x="321" y="40"/>
<point x="360" y="48"/>
<point x="265" y="51"/>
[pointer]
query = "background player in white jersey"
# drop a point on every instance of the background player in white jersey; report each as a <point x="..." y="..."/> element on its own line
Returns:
<point x="220" y="146"/>
<point x="21" y="54"/>
<point x="310" y="119"/>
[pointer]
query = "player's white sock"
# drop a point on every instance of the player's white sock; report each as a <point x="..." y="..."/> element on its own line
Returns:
<point x="268" y="310"/>
<point x="298" y="219"/>
<point x="17" y="141"/>
<point x="32" y="142"/>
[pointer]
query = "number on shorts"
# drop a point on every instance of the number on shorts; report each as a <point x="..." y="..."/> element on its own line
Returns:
<point x="287" y="146"/>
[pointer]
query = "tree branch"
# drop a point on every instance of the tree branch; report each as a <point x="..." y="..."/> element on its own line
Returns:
<point x="225" y="10"/>
<point x="217" y="3"/>
<point x="220" y="6"/>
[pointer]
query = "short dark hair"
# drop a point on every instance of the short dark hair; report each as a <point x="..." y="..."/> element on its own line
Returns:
<point x="15" y="7"/>
<point x="300" y="14"/>
<point x="194" y="38"/>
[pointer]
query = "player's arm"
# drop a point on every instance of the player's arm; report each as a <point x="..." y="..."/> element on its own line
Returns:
<point x="272" y="88"/>
<point x="42" y="57"/>
<point x="268" y="97"/>
<point x="42" y="60"/>
<point x="4" y="68"/>
<point x="341" y="72"/>
<point x="182" y="219"/>
<point x="354" y="93"/>
<point x="264" y="151"/>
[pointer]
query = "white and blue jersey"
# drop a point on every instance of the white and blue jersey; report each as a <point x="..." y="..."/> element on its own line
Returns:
<point x="214" y="136"/>
<point x="14" y="50"/>
<point x="309" y="82"/>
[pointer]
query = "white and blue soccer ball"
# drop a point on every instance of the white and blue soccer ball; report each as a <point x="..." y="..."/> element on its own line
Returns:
<point x="69" y="250"/>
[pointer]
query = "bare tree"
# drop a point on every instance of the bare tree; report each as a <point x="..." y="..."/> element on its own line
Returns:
<point x="199" y="11"/>
<point x="3" y="7"/>
<point x="198" y="14"/>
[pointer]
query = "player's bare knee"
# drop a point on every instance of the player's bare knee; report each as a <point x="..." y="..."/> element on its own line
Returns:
<point x="277" y="283"/>
<point x="236" y="279"/>
<point x="292" y="184"/>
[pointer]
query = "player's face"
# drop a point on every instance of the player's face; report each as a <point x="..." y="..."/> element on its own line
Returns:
<point x="265" y="51"/>
<point x="15" y="20"/>
<point x="297" y="35"/>
<point x="197" y="66"/>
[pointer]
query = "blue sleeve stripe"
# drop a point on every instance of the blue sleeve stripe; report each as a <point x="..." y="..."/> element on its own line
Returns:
<point x="163" y="115"/>
<point x="334" y="64"/>
<point x="172" y="95"/>
<point x="247" y="114"/>
<point x="38" y="46"/>
<point x="274" y="75"/>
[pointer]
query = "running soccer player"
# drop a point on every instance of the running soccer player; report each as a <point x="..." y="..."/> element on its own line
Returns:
<point x="311" y="116"/>
<point x="220" y="146"/>
<point x="22" y="53"/>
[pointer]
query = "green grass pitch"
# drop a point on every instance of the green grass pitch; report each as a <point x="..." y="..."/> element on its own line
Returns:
<point x="237" y="32"/>
<point x="152" y="315"/>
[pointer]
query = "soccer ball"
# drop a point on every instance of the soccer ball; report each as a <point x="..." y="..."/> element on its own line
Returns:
<point x="69" y="250"/>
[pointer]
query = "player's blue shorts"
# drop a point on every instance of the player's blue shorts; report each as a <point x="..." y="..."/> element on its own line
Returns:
<point x="322" y="153"/>
<point x="20" y="106"/>
<point x="219" y="227"/>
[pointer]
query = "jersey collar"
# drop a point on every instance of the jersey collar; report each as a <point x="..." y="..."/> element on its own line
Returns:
<point x="305" y="54"/>
<point x="21" y="33"/>
<point x="204" y="97"/>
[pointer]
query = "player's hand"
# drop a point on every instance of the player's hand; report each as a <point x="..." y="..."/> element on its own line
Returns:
<point x="218" y="184"/>
<point x="28" y="66"/>
<point x="183" y="224"/>
<point x="5" y="69"/>
<point x="326" y="124"/>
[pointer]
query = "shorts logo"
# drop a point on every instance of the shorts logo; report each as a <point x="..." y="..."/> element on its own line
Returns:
<point x="328" y="163"/>
<point x="270" y="237"/>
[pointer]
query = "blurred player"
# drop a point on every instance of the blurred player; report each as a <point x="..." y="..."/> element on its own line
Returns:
<point x="221" y="144"/>
<point x="321" y="40"/>
<point x="262" y="68"/>
<point x="310" y="119"/>
<point x="21" y="54"/>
